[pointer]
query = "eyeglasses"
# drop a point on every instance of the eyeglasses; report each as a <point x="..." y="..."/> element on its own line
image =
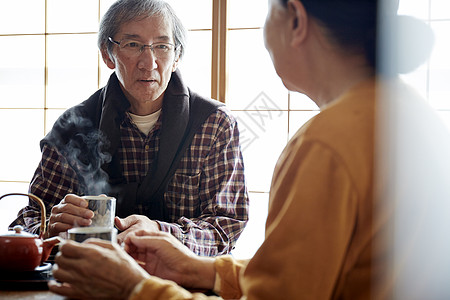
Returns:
<point x="133" y="48"/>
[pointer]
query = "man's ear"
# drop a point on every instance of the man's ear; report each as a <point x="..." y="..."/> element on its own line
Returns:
<point x="175" y="63"/>
<point x="299" y="21"/>
<point x="107" y="59"/>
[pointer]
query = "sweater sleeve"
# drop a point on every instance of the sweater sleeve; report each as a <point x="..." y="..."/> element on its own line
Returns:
<point x="227" y="268"/>
<point x="156" y="288"/>
<point x="228" y="271"/>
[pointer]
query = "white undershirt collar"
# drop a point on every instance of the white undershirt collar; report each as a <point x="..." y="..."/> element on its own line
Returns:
<point x="145" y="123"/>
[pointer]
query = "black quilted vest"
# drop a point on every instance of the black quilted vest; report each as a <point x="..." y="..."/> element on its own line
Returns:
<point x="88" y="136"/>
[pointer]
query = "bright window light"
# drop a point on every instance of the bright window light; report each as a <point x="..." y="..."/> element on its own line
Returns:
<point x="36" y="75"/>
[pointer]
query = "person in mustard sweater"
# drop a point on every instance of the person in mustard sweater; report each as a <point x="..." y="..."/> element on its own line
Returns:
<point x="326" y="228"/>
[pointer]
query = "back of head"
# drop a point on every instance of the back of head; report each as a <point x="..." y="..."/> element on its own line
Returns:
<point x="364" y="26"/>
<point x="351" y="24"/>
<point x="123" y="11"/>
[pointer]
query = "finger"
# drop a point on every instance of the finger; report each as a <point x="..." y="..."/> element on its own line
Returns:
<point x="55" y="229"/>
<point x="73" y="270"/>
<point x="71" y="219"/>
<point x="75" y="200"/>
<point x="63" y="289"/>
<point x="72" y="209"/>
<point x="61" y="274"/>
<point x="129" y="225"/>
<point x="147" y="243"/>
<point x="71" y="291"/>
<point x="71" y="249"/>
<point x="122" y="236"/>
<point x="70" y="279"/>
<point x="159" y="242"/>
<point x="101" y="243"/>
<point x="88" y="250"/>
<point x="139" y="232"/>
<point x="130" y="249"/>
<point x="118" y="222"/>
<point x="145" y="232"/>
<point x="124" y="224"/>
<point x="128" y="235"/>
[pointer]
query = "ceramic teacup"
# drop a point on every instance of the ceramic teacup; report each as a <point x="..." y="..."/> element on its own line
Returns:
<point x="80" y="234"/>
<point x="104" y="209"/>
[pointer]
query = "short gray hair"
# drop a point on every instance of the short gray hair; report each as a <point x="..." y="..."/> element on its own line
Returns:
<point x="123" y="11"/>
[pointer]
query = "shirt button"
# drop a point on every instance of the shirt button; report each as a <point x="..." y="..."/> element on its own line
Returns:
<point x="147" y="147"/>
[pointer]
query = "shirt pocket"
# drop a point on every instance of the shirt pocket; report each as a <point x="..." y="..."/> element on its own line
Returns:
<point x="183" y="194"/>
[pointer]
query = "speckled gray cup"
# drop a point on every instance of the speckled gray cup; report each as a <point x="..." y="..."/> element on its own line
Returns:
<point x="104" y="209"/>
<point x="80" y="234"/>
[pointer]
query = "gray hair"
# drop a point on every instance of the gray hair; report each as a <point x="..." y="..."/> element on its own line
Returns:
<point x="123" y="11"/>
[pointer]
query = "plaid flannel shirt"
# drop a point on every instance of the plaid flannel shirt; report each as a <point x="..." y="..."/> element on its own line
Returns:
<point x="206" y="199"/>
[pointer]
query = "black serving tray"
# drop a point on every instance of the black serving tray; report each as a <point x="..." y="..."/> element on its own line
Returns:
<point x="29" y="280"/>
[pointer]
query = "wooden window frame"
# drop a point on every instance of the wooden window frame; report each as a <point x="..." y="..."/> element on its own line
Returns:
<point x="219" y="50"/>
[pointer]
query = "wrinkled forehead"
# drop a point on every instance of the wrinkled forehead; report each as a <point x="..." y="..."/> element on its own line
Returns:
<point x="155" y="27"/>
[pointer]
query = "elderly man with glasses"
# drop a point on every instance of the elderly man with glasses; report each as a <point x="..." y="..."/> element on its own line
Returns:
<point x="170" y="157"/>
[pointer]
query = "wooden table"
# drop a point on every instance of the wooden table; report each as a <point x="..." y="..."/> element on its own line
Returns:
<point x="30" y="295"/>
